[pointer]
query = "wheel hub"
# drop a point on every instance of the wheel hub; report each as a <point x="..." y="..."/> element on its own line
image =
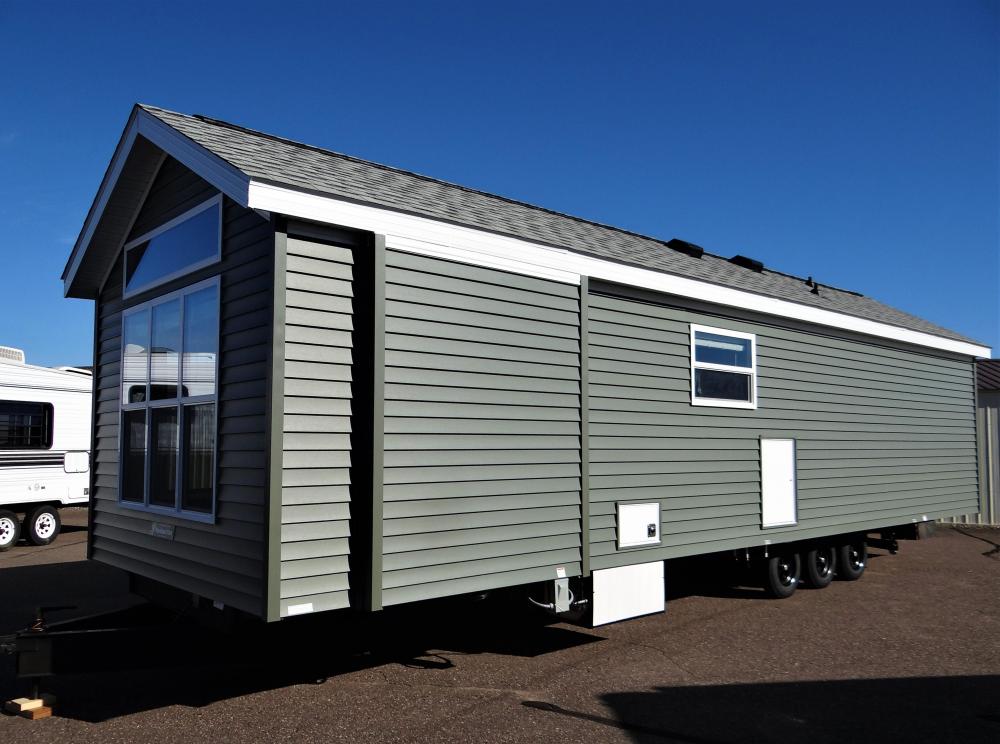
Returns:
<point x="45" y="525"/>
<point x="823" y="564"/>
<point x="6" y="530"/>
<point x="785" y="573"/>
<point x="857" y="562"/>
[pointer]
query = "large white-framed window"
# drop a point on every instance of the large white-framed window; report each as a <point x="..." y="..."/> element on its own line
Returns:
<point x="190" y="241"/>
<point x="723" y="368"/>
<point x="169" y="403"/>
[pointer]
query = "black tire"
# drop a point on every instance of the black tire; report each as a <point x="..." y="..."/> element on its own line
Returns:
<point x="819" y="565"/>
<point x="852" y="559"/>
<point x="10" y="530"/>
<point x="42" y="525"/>
<point x="781" y="574"/>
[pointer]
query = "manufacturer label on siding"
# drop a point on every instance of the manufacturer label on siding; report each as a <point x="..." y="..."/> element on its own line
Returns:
<point x="166" y="531"/>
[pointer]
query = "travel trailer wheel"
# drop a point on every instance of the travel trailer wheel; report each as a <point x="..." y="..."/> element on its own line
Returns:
<point x="781" y="574"/>
<point x="819" y="566"/>
<point x="43" y="525"/>
<point x="10" y="529"/>
<point x="852" y="559"/>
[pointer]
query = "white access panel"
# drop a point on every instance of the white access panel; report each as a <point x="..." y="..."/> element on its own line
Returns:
<point x="777" y="482"/>
<point x="628" y="591"/>
<point x="638" y="525"/>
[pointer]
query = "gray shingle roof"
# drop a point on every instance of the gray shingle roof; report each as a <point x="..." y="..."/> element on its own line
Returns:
<point x="283" y="162"/>
<point x="988" y="374"/>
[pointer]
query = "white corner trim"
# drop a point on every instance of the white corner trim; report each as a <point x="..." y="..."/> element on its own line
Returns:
<point x="444" y="240"/>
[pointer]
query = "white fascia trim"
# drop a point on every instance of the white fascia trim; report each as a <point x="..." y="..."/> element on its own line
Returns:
<point x="421" y="235"/>
<point x="100" y="202"/>
<point x="230" y="181"/>
<point x="459" y="243"/>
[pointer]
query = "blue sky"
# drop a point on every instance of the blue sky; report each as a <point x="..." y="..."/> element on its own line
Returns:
<point x="854" y="142"/>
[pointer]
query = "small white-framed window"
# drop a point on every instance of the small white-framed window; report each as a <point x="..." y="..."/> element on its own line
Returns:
<point x="169" y="403"/>
<point x="723" y="368"/>
<point x="190" y="241"/>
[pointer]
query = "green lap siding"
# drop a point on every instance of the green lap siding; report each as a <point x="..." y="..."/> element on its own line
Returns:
<point x="482" y="429"/>
<point x="316" y="423"/>
<point x="883" y="435"/>
<point x="223" y="561"/>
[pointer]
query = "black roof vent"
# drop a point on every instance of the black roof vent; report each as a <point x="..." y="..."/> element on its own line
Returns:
<point x="695" y="251"/>
<point x="747" y="263"/>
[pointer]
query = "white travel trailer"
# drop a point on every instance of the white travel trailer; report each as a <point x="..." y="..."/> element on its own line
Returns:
<point x="44" y="446"/>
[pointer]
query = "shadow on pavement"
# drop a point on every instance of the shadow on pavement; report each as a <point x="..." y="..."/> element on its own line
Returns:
<point x="934" y="709"/>
<point x="717" y="575"/>
<point x="86" y="585"/>
<point x="159" y="659"/>
<point x="985" y="536"/>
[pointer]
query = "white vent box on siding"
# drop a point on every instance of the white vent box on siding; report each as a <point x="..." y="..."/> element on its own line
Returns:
<point x="628" y="591"/>
<point x="638" y="525"/>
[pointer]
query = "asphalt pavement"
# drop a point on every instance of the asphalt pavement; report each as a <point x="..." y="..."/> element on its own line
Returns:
<point x="911" y="652"/>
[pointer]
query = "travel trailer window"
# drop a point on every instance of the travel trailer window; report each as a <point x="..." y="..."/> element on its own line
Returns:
<point x="723" y="368"/>
<point x="25" y="425"/>
<point x="169" y="401"/>
<point x="188" y="242"/>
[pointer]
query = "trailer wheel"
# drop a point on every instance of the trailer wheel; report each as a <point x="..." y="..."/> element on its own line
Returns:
<point x="43" y="525"/>
<point x="819" y="566"/>
<point x="781" y="574"/>
<point x="10" y="530"/>
<point x="852" y="558"/>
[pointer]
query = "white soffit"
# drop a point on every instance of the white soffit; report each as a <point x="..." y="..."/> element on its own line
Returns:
<point x="458" y="243"/>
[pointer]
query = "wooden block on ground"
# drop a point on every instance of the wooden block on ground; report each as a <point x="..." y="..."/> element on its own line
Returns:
<point x="19" y="705"/>
<point x="36" y="714"/>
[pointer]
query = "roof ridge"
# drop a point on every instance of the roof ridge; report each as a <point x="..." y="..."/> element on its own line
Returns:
<point x="666" y="261"/>
<point x="414" y="174"/>
<point x="431" y="179"/>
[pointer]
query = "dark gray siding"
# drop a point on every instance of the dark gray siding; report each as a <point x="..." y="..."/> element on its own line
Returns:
<point x="221" y="561"/>
<point x="883" y="435"/>
<point x="316" y="443"/>
<point x="482" y="429"/>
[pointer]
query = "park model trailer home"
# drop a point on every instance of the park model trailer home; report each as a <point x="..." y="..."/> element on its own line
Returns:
<point x="324" y="384"/>
<point x="44" y="446"/>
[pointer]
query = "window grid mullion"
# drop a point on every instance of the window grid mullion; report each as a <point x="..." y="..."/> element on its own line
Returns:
<point x="723" y="367"/>
<point x="180" y="454"/>
<point x="180" y="406"/>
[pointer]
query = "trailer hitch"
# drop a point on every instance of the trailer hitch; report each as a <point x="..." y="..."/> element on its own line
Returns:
<point x="886" y="540"/>
<point x="38" y="625"/>
<point x="32" y="648"/>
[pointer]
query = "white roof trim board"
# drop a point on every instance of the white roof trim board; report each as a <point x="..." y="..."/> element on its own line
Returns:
<point x="432" y="238"/>
<point x="468" y="243"/>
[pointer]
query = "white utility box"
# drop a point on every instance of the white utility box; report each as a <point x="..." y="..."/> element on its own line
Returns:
<point x="628" y="591"/>
<point x="638" y="525"/>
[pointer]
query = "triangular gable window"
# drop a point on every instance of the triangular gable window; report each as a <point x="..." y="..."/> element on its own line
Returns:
<point x="188" y="242"/>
